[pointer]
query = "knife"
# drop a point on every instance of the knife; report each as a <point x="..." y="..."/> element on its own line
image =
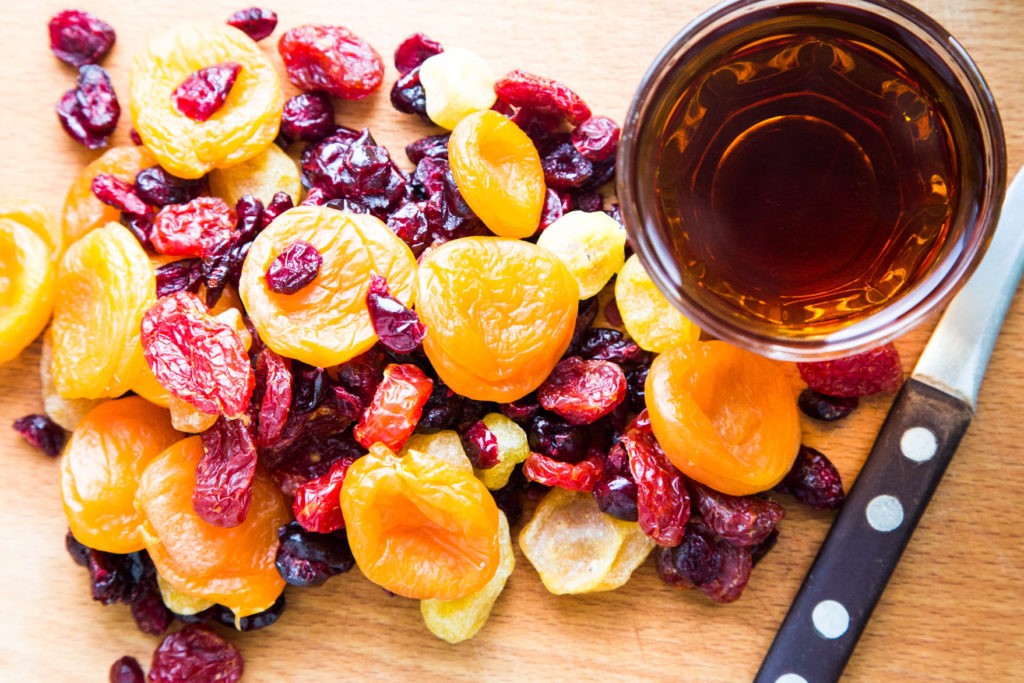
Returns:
<point x="910" y="455"/>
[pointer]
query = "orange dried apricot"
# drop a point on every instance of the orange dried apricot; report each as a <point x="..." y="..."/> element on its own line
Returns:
<point x="649" y="318"/>
<point x="242" y="128"/>
<point x="37" y="219"/>
<point x="419" y="526"/>
<point x="102" y="461"/>
<point x="591" y="243"/>
<point x="497" y="169"/>
<point x="232" y="567"/>
<point x="499" y="314"/>
<point x="106" y="282"/>
<point x="26" y="287"/>
<point x="82" y="210"/>
<point x="724" y="416"/>
<point x="269" y="172"/>
<point x="326" y="322"/>
<point x="67" y="412"/>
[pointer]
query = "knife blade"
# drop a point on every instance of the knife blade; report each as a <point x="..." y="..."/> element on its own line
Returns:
<point x="915" y="445"/>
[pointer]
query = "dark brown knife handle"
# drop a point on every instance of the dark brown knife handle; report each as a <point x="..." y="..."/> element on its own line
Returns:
<point x="854" y="564"/>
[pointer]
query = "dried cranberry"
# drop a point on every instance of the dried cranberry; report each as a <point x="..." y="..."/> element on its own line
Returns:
<point x="415" y="50"/>
<point x="90" y="112"/>
<point x="558" y="439"/>
<point x="539" y="126"/>
<point x="279" y="203"/>
<point x="255" y="22"/>
<point x="733" y="574"/>
<point x="151" y="614"/>
<point x="597" y="138"/>
<point x="225" y="474"/>
<point x="663" y="503"/>
<point x="274" y="385"/>
<point x="176" y="276"/>
<point x="564" y="167"/>
<point x="509" y="498"/>
<point x="444" y="408"/>
<point x="223" y="265"/>
<point x="78" y="38"/>
<point x="521" y="410"/>
<point x="355" y="168"/>
<point x="585" y="315"/>
<point x="308" y="447"/>
<point x="601" y="343"/>
<point x="134" y="136"/>
<point x="522" y="89"/>
<point x="41" y="432"/>
<point x="195" y="654"/>
<point x="119" y="578"/>
<point x="827" y="408"/>
<point x="305" y="558"/>
<point x="583" y="391"/>
<point x="813" y="480"/>
<point x="127" y="670"/>
<point x="362" y="374"/>
<point x="396" y="407"/>
<point x="117" y="193"/>
<point x="409" y="223"/>
<point x="636" y="378"/>
<point x="433" y="146"/>
<point x="695" y="562"/>
<point x="156" y="186"/>
<point x="294" y="268"/>
<point x="870" y="372"/>
<point x="408" y="95"/>
<point x="741" y="520"/>
<point x="481" y="446"/>
<point x="204" y="91"/>
<point x="201" y="228"/>
<point x="579" y="476"/>
<point x="398" y="326"/>
<point x="78" y="552"/>
<point x="308" y="116"/>
<point x="758" y="551"/>
<point x="616" y="491"/>
<point x="252" y="622"/>
<point x="589" y="202"/>
<point x="556" y="205"/>
<point x="317" y="503"/>
<point x="331" y="58"/>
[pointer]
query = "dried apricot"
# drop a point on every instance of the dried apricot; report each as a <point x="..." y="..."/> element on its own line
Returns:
<point x="82" y="210"/>
<point x="418" y="526"/>
<point x="106" y="282"/>
<point x="37" y="219"/>
<point x="649" y="318"/>
<point x="26" y="287"/>
<point x="326" y="322"/>
<point x="724" y="416"/>
<point x="499" y="314"/>
<point x="233" y="566"/>
<point x="456" y="82"/>
<point x="443" y="445"/>
<point x="242" y="128"/>
<point x="592" y="245"/>
<point x="497" y="170"/>
<point x="100" y="471"/>
<point x="67" y="412"/>
<point x="264" y="175"/>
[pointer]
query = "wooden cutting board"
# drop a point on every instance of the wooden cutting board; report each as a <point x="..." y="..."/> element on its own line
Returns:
<point x="952" y="611"/>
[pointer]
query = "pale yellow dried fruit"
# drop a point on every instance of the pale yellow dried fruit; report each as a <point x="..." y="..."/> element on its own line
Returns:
<point x="513" y="448"/>
<point x="650" y="319"/>
<point x="37" y="219"/>
<point x="180" y="602"/>
<point x="27" y="285"/>
<point x="636" y="546"/>
<point x="444" y="445"/>
<point x="591" y="243"/>
<point x="67" y="412"/>
<point x="269" y="172"/>
<point x="455" y="83"/>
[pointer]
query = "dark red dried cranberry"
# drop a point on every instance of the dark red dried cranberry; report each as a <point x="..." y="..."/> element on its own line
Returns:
<point x="331" y="58"/>
<point x="274" y="394"/>
<point x="583" y="391"/>
<point x="408" y="95"/>
<point x="616" y="491"/>
<point x="556" y="205"/>
<point x="253" y="622"/>
<point x="544" y="95"/>
<point x="204" y="91"/>
<point x="758" y="551"/>
<point x="119" y="578"/>
<point x="157" y="187"/>
<point x="78" y="552"/>
<point x="224" y="266"/>
<point x="585" y="314"/>
<point x="481" y="446"/>
<point x="869" y="372"/>
<point x="602" y="343"/>
<point x="225" y="474"/>
<point x="663" y="503"/>
<point x="151" y="614"/>
<point x="355" y="168"/>
<point x="741" y="520"/>
<point x="134" y="136"/>
<point x="564" y="167"/>
<point x="294" y="268"/>
<point x="415" y="50"/>
<point x="255" y="22"/>
<point x="279" y="203"/>
<point x="558" y="439"/>
<point x="814" y="481"/>
<point x="305" y="558"/>
<point x="597" y="138"/>
<point x="197" y="654"/>
<point x="521" y="410"/>
<point x="827" y="408"/>
<point x="78" y="38"/>
<point x="42" y="432"/>
<point x="308" y="116"/>
<point x="409" y="223"/>
<point x="589" y="202"/>
<point x="540" y="127"/>
<point x="362" y="374"/>
<point x="119" y="194"/>
<point x="397" y="325"/>
<point x="127" y="670"/>
<point x="141" y="228"/>
<point x="317" y="504"/>
<point x="444" y="408"/>
<point x="695" y="562"/>
<point x="90" y="112"/>
<point x="636" y="378"/>
<point x="733" y="574"/>
<point x="434" y="146"/>
<point x="509" y="497"/>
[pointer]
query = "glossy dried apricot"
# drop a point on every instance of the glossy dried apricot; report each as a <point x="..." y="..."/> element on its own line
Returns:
<point x="499" y="314"/>
<point x="27" y="286"/>
<point x="100" y="469"/>
<point x="444" y="445"/>
<point x="82" y="210"/>
<point x="497" y="169"/>
<point x="326" y="322"/>
<point x="264" y="175"/>
<point x="233" y="566"/>
<point x="592" y="245"/>
<point x="649" y="318"/>
<point x="38" y="220"/>
<point x="106" y="282"/>
<point x="242" y="128"/>
<point x="724" y="416"/>
<point x="67" y="412"/>
<point x="418" y="526"/>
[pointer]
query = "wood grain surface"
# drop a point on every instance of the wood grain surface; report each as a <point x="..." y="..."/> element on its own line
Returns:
<point x="952" y="611"/>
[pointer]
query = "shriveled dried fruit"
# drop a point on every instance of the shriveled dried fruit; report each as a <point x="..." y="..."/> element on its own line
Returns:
<point x="596" y="138"/>
<point x="305" y="558"/>
<point x="741" y="520"/>
<point x="663" y="503"/>
<point x="331" y="58"/>
<point x="262" y="176"/>
<point x="29" y="284"/>
<point x="203" y="92"/>
<point x="119" y="194"/>
<point x="126" y="670"/>
<point x="869" y="372"/>
<point x="554" y="437"/>
<point x="396" y="407"/>
<point x="583" y="391"/>
<point x="395" y="324"/>
<point x="89" y="113"/>
<point x="481" y="446"/>
<point x="823" y="407"/>
<point x="444" y="445"/>
<point x="66" y="412"/>
<point x="37" y="219"/>
<point x="814" y="480"/>
<point x="521" y="89"/>
<point x="579" y="476"/>
<point x="78" y="37"/>
<point x="39" y="431"/>
<point x="255" y="22"/>
<point x="294" y="268"/>
<point x="513" y="448"/>
<point x="82" y="210"/>
<point x="225" y="473"/>
<point x="317" y="505"/>
<point x="195" y="654"/>
<point x="199" y="228"/>
<point x="414" y="50"/>
<point x="456" y="83"/>
<point x="648" y="316"/>
<point x="308" y="116"/>
<point x="592" y="245"/>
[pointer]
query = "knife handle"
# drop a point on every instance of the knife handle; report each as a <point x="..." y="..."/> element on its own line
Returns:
<point x="854" y="564"/>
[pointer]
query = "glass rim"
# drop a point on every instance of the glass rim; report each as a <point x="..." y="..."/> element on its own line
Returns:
<point x="886" y="323"/>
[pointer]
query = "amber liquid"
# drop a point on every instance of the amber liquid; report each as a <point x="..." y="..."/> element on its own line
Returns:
<point x="807" y="178"/>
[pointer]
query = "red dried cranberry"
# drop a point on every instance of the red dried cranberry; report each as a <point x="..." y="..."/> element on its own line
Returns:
<point x="564" y="167"/>
<point x="481" y="446"/>
<point x="826" y="408"/>
<point x="814" y="481"/>
<point x="351" y="165"/>
<point x="331" y="58"/>
<point x="540" y="127"/>
<point x="225" y="474"/>
<point x="522" y="89"/>
<point x="583" y="391"/>
<point x="41" y="432"/>
<point x="408" y="95"/>
<point x="558" y="439"/>
<point x="204" y="91"/>
<point x="255" y="22"/>
<point x="616" y="491"/>
<point x="78" y="38"/>
<point x="588" y="201"/>
<point x="157" y="187"/>
<point x="202" y="227"/>
<point x="602" y="343"/>
<point x="305" y="558"/>
<point x="521" y="410"/>
<point x="555" y="206"/>
<point x="362" y="374"/>
<point x="127" y="670"/>
<point x="397" y="326"/>
<point x="308" y="116"/>
<point x="741" y="520"/>
<point x="90" y="112"/>
<point x="279" y="203"/>
<point x="434" y="146"/>
<point x="580" y="476"/>
<point x="415" y="50"/>
<point x="663" y="503"/>
<point x="119" y="578"/>
<point x="151" y="614"/>
<point x="317" y="503"/>
<point x="274" y="385"/>
<point x="597" y="138"/>
<point x="409" y="223"/>
<point x="134" y="136"/>
<point x="253" y="622"/>
<point x="733" y="574"/>
<point x="223" y="266"/>
<point x="119" y="194"/>
<point x="195" y="654"/>
<point x="758" y="551"/>
<point x="78" y="552"/>
<point x="294" y="268"/>
<point x="870" y="372"/>
<point x="696" y="561"/>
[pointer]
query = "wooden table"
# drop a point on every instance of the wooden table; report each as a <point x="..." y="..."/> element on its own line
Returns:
<point x="952" y="610"/>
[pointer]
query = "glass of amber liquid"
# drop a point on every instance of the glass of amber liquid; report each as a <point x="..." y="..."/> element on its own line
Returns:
<point x="810" y="179"/>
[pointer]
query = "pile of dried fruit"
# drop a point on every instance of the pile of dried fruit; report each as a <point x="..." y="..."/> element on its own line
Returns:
<point x="282" y="355"/>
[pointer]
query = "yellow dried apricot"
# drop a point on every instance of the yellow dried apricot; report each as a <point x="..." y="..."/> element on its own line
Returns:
<point x="67" y="412"/>
<point x="592" y="245"/>
<point x="106" y="283"/>
<point x="233" y="566"/>
<point x="26" y="287"/>
<point x="650" y="319"/>
<point x="240" y="129"/>
<point x="497" y="169"/>
<point x="178" y="602"/>
<point x="326" y="322"/>
<point x="499" y="314"/>
<point x="444" y="445"/>
<point x="187" y="418"/>
<point x="636" y="546"/>
<point x="82" y="210"/>
<point x="39" y="220"/>
<point x="262" y="176"/>
<point x="100" y="470"/>
<point x="455" y="83"/>
<point x="513" y="448"/>
<point x="724" y="416"/>
<point x="418" y="526"/>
